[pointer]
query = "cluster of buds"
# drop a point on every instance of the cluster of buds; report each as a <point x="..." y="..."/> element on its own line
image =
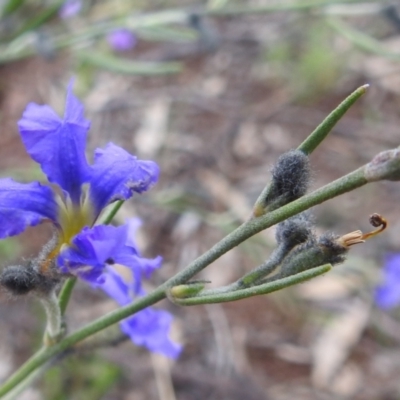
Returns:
<point x="326" y="249"/>
<point x="299" y="249"/>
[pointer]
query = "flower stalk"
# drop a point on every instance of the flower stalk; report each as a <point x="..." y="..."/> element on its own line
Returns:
<point x="258" y="290"/>
<point x="54" y="318"/>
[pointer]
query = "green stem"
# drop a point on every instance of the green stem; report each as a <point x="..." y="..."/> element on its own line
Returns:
<point x="46" y="353"/>
<point x="24" y="384"/>
<point x="53" y="316"/>
<point x="110" y="216"/>
<point x="65" y="294"/>
<point x="254" y="290"/>
<point x="345" y="184"/>
<point x="323" y="129"/>
<point x="255" y="275"/>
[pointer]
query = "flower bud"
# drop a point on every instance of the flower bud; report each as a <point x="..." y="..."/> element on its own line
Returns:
<point x="289" y="234"/>
<point x="328" y="249"/>
<point x="19" y="279"/>
<point x="295" y="230"/>
<point x="290" y="179"/>
<point x="22" y="279"/>
<point x="39" y="275"/>
<point x="188" y="289"/>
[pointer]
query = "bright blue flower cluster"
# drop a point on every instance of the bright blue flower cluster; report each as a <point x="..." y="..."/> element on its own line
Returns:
<point x="387" y="295"/>
<point x="84" y="249"/>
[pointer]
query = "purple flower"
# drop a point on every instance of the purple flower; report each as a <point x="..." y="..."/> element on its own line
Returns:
<point x="121" y="39"/>
<point x="58" y="145"/>
<point x="387" y="295"/>
<point x="149" y="327"/>
<point x="105" y="245"/>
<point x="82" y="249"/>
<point x="70" y="8"/>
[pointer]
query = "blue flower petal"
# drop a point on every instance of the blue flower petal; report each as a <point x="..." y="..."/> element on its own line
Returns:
<point x="81" y="259"/>
<point x="115" y="287"/>
<point x="106" y="245"/>
<point x="149" y="327"/>
<point x="23" y="205"/>
<point x="387" y="295"/>
<point x="58" y="145"/>
<point x="116" y="175"/>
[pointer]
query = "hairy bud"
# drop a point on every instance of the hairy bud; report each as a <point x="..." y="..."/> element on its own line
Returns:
<point x="39" y="275"/>
<point x="22" y="279"/>
<point x="326" y="250"/>
<point x="289" y="234"/>
<point x="291" y="175"/>
<point x="295" y="230"/>
<point x="290" y="180"/>
<point x="19" y="279"/>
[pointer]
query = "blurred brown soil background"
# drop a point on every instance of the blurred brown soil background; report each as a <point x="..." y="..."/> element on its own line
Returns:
<point x="252" y="87"/>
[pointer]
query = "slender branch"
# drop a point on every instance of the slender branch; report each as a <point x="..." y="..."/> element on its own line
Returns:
<point x="24" y="384"/>
<point x="65" y="294"/>
<point x="46" y="353"/>
<point x="110" y="216"/>
<point x="53" y="316"/>
<point x="254" y="290"/>
<point x="323" y="129"/>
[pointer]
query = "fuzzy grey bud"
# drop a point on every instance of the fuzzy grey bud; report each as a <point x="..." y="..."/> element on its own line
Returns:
<point x="290" y="180"/>
<point x="295" y="230"/>
<point x="18" y="279"/>
<point x="291" y="175"/>
<point x="22" y="279"/>
<point x="328" y="249"/>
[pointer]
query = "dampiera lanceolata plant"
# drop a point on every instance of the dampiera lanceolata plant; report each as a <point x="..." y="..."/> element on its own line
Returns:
<point x="83" y="247"/>
<point x="79" y="247"/>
